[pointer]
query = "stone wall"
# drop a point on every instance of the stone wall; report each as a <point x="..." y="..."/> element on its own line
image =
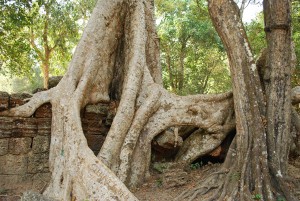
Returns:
<point x="24" y="143"/>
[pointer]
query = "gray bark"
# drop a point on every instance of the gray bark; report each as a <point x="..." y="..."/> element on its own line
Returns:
<point x="117" y="58"/>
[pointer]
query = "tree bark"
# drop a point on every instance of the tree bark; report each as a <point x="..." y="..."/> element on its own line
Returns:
<point x="117" y="58"/>
<point x="182" y="56"/>
<point x="260" y="146"/>
<point x="278" y="31"/>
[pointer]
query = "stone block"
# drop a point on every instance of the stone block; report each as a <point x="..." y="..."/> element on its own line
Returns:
<point x="18" y="99"/>
<point x="40" y="144"/>
<point x="24" y="127"/>
<point x="4" y="146"/>
<point x="20" y="145"/>
<point x="44" y="111"/>
<point x="13" y="164"/>
<point x="92" y="127"/>
<point x="54" y="80"/>
<point x="96" y="111"/>
<point x="10" y="198"/>
<point x="43" y="126"/>
<point x="100" y="108"/>
<point x="38" y="163"/>
<point x="174" y="178"/>
<point x="6" y="126"/>
<point x="35" y="196"/>
<point x="16" y="184"/>
<point x="4" y="101"/>
<point x="109" y="119"/>
<point x="95" y="142"/>
<point x="40" y="181"/>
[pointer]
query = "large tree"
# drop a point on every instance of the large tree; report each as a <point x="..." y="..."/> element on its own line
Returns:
<point x="39" y="34"/>
<point x="192" y="55"/>
<point x="117" y="58"/>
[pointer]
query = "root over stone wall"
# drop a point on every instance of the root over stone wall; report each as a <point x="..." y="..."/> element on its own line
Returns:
<point x="24" y="143"/>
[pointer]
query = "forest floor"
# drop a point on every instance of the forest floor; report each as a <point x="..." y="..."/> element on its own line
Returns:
<point x="167" y="185"/>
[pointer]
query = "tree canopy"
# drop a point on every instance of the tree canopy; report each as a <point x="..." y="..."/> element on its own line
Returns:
<point x="192" y="55"/>
<point x="117" y="60"/>
<point x="40" y="34"/>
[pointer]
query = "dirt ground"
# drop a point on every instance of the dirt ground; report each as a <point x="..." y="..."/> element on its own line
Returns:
<point x="167" y="185"/>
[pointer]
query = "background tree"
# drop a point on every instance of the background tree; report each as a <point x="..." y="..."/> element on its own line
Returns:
<point x="192" y="55"/>
<point x="40" y="33"/>
<point x="296" y="40"/>
<point x="117" y="59"/>
<point x="257" y="37"/>
<point x="263" y="128"/>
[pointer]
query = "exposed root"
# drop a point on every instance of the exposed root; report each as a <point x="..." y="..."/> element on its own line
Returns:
<point x="76" y="171"/>
<point x="30" y="107"/>
<point x="176" y="136"/>
<point x="141" y="117"/>
<point x="111" y="148"/>
<point x="213" y="116"/>
<point x="212" y="182"/>
<point x="198" y="144"/>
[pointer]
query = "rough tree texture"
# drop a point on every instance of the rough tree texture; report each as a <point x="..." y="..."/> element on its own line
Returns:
<point x="117" y="58"/>
<point x="263" y="130"/>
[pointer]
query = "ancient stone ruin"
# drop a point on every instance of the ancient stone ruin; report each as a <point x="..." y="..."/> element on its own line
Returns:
<point x="24" y="144"/>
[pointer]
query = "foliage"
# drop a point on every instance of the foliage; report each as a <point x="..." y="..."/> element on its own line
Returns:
<point x="192" y="55"/>
<point x="159" y="182"/>
<point x="257" y="38"/>
<point x="256" y="34"/>
<point x="235" y="176"/>
<point x="195" y="166"/>
<point x="257" y="197"/>
<point x="160" y="167"/>
<point x="27" y="85"/>
<point x="280" y="198"/>
<point x="38" y="33"/>
<point x="296" y="39"/>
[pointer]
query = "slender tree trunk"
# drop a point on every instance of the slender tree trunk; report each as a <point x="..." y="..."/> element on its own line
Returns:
<point x="170" y="71"/>
<point x="181" y="67"/>
<point x="259" y="157"/>
<point x="278" y="91"/>
<point x="45" y="70"/>
<point x="118" y="58"/>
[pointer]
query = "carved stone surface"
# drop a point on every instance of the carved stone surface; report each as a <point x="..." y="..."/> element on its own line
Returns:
<point x="25" y="143"/>
<point x="18" y="99"/>
<point x="44" y="111"/>
<point x="38" y="163"/>
<point x="4" y="146"/>
<point x="4" y="101"/>
<point x="54" y="80"/>
<point x="19" y="145"/>
<point x="34" y="196"/>
<point x="13" y="164"/>
<point x="174" y="178"/>
<point x="41" y="144"/>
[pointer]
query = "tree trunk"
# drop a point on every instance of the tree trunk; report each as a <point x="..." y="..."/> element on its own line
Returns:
<point x="182" y="56"/>
<point x="278" y="31"/>
<point x="170" y="70"/>
<point x="258" y="156"/>
<point x="117" y="58"/>
<point x="45" y="70"/>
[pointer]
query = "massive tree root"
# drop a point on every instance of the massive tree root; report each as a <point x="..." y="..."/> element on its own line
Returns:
<point x="255" y="165"/>
<point x="118" y="59"/>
